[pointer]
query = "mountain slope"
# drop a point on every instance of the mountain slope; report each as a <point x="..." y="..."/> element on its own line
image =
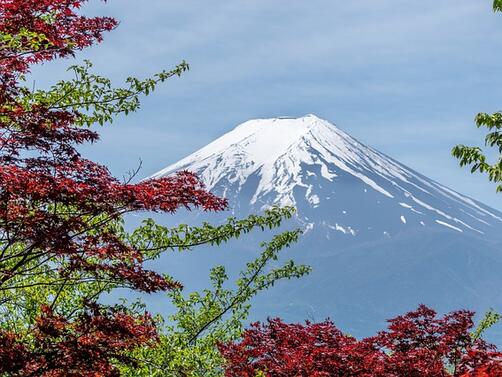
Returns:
<point x="381" y="238"/>
<point x="310" y="163"/>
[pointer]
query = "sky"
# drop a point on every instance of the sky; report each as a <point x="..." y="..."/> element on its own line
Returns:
<point x="405" y="77"/>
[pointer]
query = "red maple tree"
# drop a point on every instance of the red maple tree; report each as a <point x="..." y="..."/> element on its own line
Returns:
<point x="56" y="207"/>
<point x="416" y="344"/>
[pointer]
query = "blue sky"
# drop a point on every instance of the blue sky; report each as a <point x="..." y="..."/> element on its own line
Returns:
<point x="405" y="77"/>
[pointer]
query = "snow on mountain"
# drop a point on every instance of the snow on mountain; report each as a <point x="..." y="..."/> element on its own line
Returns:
<point x="310" y="163"/>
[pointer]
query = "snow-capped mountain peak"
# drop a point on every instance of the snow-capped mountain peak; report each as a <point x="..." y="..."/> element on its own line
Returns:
<point x="275" y="148"/>
<point x="311" y="164"/>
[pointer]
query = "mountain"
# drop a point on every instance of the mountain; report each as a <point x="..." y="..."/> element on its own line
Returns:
<point x="336" y="182"/>
<point x="381" y="238"/>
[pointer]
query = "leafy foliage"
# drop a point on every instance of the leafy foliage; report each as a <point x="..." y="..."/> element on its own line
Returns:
<point x="94" y="97"/>
<point x="475" y="157"/>
<point x="188" y="342"/>
<point x="61" y="240"/>
<point x="81" y="347"/>
<point x="497" y="5"/>
<point x="415" y="344"/>
<point x="490" y="319"/>
<point x="62" y="236"/>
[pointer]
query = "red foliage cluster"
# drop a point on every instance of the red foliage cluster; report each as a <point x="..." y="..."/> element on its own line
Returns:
<point x="51" y="197"/>
<point x="416" y="344"/>
<point x="64" y="32"/>
<point x="83" y="347"/>
<point x="56" y="206"/>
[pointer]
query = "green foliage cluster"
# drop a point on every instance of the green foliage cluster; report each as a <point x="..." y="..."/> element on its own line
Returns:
<point x="497" y="5"/>
<point x="155" y="238"/>
<point x="475" y="157"/>
<point x="217" y="314"/>
<point x="490" y="319"/>
<point x="24" y="40"/>
<point x="94" y="96"/>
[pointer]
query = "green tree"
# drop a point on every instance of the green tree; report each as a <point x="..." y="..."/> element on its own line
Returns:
<point x="188" y="342"/>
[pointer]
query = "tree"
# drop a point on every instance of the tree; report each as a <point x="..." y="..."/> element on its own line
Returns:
<point x="416" y="344"/>
<point x="62" y="236"/>
<point x="189" y="339"/>
<point x="58" y="211"/>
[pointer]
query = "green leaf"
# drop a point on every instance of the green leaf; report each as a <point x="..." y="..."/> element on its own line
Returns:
<point x="491" y="318"/>
<point x="497" y="5"/>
